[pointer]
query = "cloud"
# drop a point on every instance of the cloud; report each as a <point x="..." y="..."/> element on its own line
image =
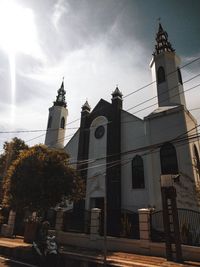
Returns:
<point x="60" y="8"/>
<point x="95" y="45"/>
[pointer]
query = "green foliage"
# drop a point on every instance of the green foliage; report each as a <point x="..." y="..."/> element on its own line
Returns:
<point x="39" y="179"/>
<point x="11" y="152"/>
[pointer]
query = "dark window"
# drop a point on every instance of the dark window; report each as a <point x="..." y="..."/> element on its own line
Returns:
<point x="179" y="76"/>
<point x="161" y="75"/>
<point x="197" y="160"/>
<point x="137" y="172"/>
<point x="168" y="159"/>
<point x="62" y="124"/>
<point x="49" y="122"/>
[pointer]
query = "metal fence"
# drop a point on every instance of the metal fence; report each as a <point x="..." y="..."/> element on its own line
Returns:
<point x="129" y="224"/>
<point x="77" y="221"/>
<point x="189" y="224"/>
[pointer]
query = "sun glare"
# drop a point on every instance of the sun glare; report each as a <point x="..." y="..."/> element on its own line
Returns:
<point x="17" y="28"/>
<point x="17" y="35"/>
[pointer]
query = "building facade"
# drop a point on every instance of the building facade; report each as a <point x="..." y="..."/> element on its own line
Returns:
<point x="122" y="157"/>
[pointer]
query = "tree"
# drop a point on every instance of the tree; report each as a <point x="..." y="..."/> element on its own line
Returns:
<point x="11" y="152"/>
<point x="39" y="179"/>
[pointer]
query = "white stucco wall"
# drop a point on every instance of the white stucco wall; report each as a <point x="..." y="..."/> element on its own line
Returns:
<point x="72" y="148"/>
<point x="165" y="127"/>
<point x="170" y="91"/>
<point x="55" y="135"/>
<point x="132" y="137"/>
<point x="95" y="187"/>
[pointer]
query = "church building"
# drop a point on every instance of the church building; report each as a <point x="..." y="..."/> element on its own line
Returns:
<point x="122" y="157"/>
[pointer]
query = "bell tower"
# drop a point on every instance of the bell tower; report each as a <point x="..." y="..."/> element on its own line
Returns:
<point x="55" y="134"/>
<point x="165" y="69"/>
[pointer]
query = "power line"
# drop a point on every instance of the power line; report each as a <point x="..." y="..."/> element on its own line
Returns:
<point x="73" y="128"/>
<point x="112" y="164"/>
<point x="29" y="131"/>
<point x="147" y="85"/>
<point x="150" y="147"/>
<point x="40" y="130"/>
<point x="164" y="93"/>
<point x="166" y="99"/>
<point x="88" y="129"/>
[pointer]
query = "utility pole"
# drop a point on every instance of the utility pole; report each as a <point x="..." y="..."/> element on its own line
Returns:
<point x="105" y="225"/>
<point x="170" y="218"/>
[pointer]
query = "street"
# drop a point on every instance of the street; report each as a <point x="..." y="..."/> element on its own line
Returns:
<point x="5" y="262"/>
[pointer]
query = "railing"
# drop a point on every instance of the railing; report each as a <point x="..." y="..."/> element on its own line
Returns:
<point x="157" y="227"/>
<point x="77" y="221"/>
<point x="189" y="224"/>
<point x="129" y="224"/>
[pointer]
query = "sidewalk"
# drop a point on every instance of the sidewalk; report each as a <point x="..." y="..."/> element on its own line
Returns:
<point x="16" y="248"/>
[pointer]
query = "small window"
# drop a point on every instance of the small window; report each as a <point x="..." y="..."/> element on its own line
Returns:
<point x="168" y="159"/>
<point x="161" y="75"/>
<point x="62" y="124"/>
<point x="49" y="122"/>
<point x="179" y="76"/>
<point x="137" y="172"/>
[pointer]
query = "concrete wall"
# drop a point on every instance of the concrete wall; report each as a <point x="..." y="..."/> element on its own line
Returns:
<point x="124" y="245"/>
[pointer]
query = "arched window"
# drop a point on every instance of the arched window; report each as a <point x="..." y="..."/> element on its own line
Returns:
<point x="49" y="122"/>
<point x="197" y="160"/>
<point x="137" y="172"/>
<point x="62" y="123"/>
<point x="161" y="75"/>
<point x="168" y="159"/>
<point x="179" y="76"/>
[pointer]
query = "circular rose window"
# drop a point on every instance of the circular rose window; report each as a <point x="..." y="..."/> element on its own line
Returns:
<point x="99" y="132"/>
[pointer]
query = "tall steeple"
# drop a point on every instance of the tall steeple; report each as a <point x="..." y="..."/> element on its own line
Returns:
<point x="165" y="69"/>
<point x="55" y="134"/>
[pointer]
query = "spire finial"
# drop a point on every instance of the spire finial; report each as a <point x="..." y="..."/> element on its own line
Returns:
<point x="60" y="99"/>
<point x="86" y="106"/>
<point x="117" y="92"/>
<point x="162" y="43"/>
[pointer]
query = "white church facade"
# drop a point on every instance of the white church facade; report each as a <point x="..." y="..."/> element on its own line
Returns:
<point x="122" y="157"/>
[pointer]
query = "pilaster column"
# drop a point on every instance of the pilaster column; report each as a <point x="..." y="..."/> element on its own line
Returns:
<point x="95" y="223"/>
<point x="144" y="223"/>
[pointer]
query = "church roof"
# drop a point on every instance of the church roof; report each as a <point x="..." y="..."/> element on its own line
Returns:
<point x="161" y="110"/>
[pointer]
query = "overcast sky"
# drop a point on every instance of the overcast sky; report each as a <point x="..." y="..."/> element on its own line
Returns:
<point x="94" y="44"/>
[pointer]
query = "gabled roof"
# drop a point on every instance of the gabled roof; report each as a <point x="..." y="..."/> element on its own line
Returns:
<point x="101" y="105"/>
